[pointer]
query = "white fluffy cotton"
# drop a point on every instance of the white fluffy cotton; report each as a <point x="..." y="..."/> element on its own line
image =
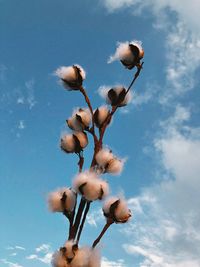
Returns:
<point x="101" y="115"/>
<point x="69" y="73"/>
<point x="104" y="156"/>
<point x="121" y="213"/>
<point x="108" y="162"/>
<point x="72" y="76"/>
<point x="70" y="252"/>
<point x="59" y="260"/>
<point x="95" y="258"/>
<point x="78" y="125"/>
<point x="118" y="90"/>
<point x="68" y="143"/>
<point x="90" y="186"/>
<point x="123" y="51"/>
<point x="55" y="203"/>
<point x="115" y="166"/>
<point x="81" y="258"/>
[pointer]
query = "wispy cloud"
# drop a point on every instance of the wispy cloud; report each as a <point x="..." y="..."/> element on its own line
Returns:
<point x="167" y="232"/>
<point x="107" y="263"/>
<point x="43" y="254"/>
<point x="10" y="264"/>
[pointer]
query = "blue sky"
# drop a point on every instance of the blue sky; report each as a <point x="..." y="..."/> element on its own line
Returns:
<point x="158" y="132"/>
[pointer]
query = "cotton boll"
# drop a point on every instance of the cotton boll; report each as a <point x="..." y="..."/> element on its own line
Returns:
<point x="90" y="186"/>
<point x="104" y="189"/>
<point x="122" y="213"/>
<point x="108" y="203"/>
<point x="71" y="76"/>
<point x="59" y="260"/>
<point x="70" y="249"/>
<point x="117" y="96"/>
<point x="100" y="115"/>
<point x="58" y="204"/>
<point x="68" y="143"/>
<point x="115" y="166"/>
<point x="129" y="53"/>
<point x="81" y="258"/>
<point x="80" y="120"/>
<point x="103" y="157"/>
<point x="117" y="210"/>
<point x="82" y="138"/>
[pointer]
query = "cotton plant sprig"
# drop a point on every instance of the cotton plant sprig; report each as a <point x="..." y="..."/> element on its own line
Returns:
<point x="88" y="185"/>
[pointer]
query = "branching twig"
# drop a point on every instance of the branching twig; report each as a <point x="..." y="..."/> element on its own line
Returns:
<point x="83" y="221"/>
<point x="107" y="225"/>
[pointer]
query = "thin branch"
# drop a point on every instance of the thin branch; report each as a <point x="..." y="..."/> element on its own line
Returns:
<point x="81" y="161"/>
<point x="107" y="225"/>
<point x="83" y="221"/>
<point x="114" y="108"/>
<point x="75" y="226"/>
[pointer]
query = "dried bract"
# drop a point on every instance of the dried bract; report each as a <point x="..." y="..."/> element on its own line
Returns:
<point x="118" y="96"/>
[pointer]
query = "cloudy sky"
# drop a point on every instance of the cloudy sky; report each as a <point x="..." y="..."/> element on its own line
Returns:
<point x="158" y="133"/>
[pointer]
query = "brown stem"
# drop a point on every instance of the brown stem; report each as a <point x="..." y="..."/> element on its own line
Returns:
<point x="114" y="108"/>
<point x="81" y="162"/>
<point x="107" y="225"/>
<point x="83" y="221"/>
<point x="75" y="226"/>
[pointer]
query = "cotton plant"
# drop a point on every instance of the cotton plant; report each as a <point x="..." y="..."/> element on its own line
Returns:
<point x="89" y="184"/>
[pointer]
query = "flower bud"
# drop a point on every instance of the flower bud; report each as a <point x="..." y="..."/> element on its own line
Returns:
<point x="108" y="162"/>
<point x="72" y="76"/>
<point x="63" y="199"/>
<point x="117" y="210"/>
<point x="74" y="143"/>
<point x="100" y="116"/>
<point x="117" y="96"/>
<point x="89" y="185"/>
<point x="129" y="54"/>
<point x="80" y="120"/>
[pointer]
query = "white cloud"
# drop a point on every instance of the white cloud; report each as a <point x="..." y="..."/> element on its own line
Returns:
<point x="30" y="93"/>
<point x="15" y="247"/>
<point x="21" y="125"/>
<point x="10" y="264"/>
<point x="43" y="248"/>
<point x="166" y="231"/>
<point x="106" y="263"/>
<point x="182" y="39"/>
<point x="43" y="254"/>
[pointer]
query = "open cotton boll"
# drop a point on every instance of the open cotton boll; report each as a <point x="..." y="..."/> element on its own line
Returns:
<point x="72" y="76"/>
<point x="117" y="96"/>
<point x="115" y="166"/>
<point x="122" y="212"/>
<point x="117" y="210"/>
<point x="129" y="53"/>
<point x="90" y="186"/>
<point x="81" y="258"/>
<point x="68" y="143"/>
<point x="108" y="203"/>
<point x="80" y="120"/>
<point x="62" y="199"/>
<point x="103" y="157"/>
<point x="59" y="260"/>
<point x="70" y="249"/>
<point x="100" y="115"/>
<point x="82" y="138"/>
